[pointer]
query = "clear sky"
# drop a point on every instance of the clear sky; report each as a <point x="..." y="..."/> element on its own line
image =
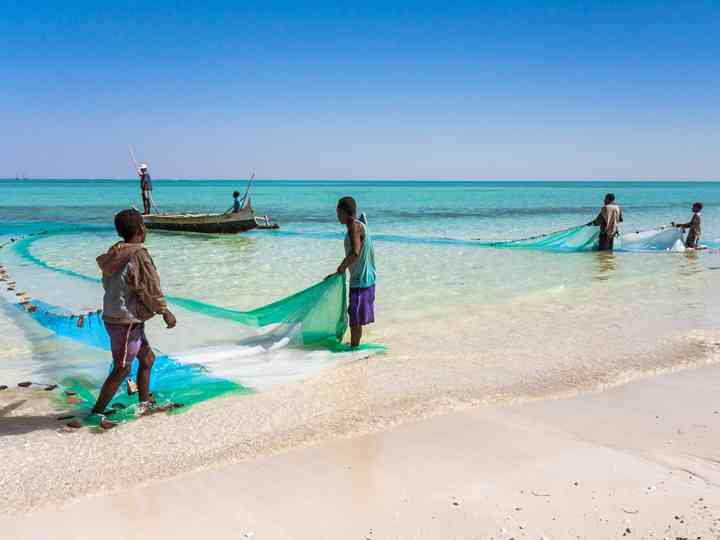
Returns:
<point x="328" y="89"/>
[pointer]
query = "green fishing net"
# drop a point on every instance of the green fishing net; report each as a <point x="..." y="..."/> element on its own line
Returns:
<point x="581" y="238"/>
<point x="586" y="238"/>
<point x="287" y="339"/>
<point x="316" y="315"/>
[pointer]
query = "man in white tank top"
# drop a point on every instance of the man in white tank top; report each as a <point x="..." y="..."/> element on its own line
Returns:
<point x="608" y="220"/>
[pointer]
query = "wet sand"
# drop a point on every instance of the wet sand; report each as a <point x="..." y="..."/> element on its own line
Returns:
<point x="636" y="461"/>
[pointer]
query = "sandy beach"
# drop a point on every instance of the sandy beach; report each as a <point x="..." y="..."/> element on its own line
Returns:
<point x="637" y="461"/>
<point x="363" y="271"/>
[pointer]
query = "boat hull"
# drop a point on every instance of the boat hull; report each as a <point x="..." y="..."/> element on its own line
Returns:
<point x="220" y="227"/>
<point x="227" y="223"/>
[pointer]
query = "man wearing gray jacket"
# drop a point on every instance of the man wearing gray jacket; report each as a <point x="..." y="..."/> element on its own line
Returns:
<point x="132" y="296"/>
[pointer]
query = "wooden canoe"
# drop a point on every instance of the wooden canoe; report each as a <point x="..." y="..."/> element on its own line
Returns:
<point x="227" y="223"/>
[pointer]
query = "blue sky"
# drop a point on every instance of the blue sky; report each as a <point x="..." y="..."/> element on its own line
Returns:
<point x="466" y="90"/>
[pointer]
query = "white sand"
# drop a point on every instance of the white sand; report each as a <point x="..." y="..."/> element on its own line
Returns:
<point x="637" y="461"/>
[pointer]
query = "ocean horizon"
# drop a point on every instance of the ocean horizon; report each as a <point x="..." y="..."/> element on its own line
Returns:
<point x="363" y="180"/>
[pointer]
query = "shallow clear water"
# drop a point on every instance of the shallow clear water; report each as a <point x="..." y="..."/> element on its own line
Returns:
<point x="458" y="319"/>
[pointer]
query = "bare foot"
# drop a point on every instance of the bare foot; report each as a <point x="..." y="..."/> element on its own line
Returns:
<point x="151" y="408"/>
<point x="106" y="424"/>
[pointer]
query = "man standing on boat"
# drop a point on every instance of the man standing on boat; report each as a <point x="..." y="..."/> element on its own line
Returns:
<point x="145" y="187"/>
<point x="608" y="220"/>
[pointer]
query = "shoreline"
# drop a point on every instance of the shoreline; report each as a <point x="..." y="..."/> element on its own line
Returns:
<point x="201" y="438"/>
<point x="631" y="457"/>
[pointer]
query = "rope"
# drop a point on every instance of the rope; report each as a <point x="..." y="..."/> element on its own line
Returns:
<point x="659" y="228"/>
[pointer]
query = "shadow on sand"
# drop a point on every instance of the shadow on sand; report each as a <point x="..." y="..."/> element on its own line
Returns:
<point x="20" y="425"/>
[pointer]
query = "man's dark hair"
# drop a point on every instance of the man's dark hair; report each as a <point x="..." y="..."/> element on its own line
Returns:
<point x="128" y="223"/>
<point x="610" y="197"/>
<point x="349" y="205"/>
<point x="236" y="194"/>
<point x="698" y="205"/>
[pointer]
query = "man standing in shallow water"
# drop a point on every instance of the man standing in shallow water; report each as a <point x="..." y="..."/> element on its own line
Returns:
<point x="608" y="220"/>
<point x="360" y="260"/>
<point x="693" y="238"/>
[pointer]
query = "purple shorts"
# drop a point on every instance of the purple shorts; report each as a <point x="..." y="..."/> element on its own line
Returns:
<point x="362" y="306"/>
<point x="126" y="340"/>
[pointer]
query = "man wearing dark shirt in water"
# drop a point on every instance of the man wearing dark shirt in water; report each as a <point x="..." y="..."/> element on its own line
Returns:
<point x="145" y="187"/>
<point x="693" y="226"/>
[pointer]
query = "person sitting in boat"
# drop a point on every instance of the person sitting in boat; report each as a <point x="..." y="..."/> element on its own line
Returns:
<point x="236" y="202"/>
<point x="236" y="205"/>
<point x="145" y="187"/>
<point x="608" y="220"/>
<point x="693" y="226"/>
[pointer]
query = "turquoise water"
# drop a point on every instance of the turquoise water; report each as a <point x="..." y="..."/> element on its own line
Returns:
<point x="491" y="210"/>
<point x="457" y="319"/>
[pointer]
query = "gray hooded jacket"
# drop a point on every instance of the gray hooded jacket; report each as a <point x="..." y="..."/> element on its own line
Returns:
<point x="132" y="285"/>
